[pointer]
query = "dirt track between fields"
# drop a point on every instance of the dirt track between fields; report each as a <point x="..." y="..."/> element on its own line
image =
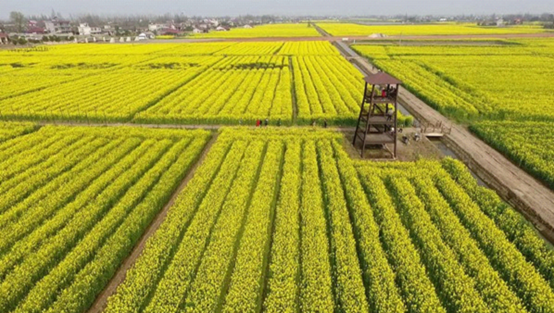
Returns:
<point x="514" y="185"/>
<point x="358" y="38"/>
<point x="102" y="299"/>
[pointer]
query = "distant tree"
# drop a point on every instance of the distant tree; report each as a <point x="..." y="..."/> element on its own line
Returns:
<point x="18" y="19"/>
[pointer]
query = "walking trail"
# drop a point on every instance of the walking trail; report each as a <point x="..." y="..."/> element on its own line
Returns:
<point x="102" y="299"/>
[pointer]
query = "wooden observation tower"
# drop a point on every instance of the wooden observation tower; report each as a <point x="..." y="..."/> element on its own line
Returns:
<point x="377" y="123"/>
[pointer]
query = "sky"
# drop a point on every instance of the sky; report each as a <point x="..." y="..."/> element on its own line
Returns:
<point x="277" y="7"/>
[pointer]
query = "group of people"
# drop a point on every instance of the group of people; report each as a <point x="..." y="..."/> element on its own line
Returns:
<point x="260" y="123"/>
<point x="265" y="123"/>
<point x="389" y="92"/>
<point x="406" y="139"/>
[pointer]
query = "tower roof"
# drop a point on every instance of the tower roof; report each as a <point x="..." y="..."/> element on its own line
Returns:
<point x="382" y="78"/>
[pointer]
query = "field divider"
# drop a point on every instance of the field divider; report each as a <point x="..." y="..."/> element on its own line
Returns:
<point x="293" y="93"/>
<point x="276" y="53"/>
<point x="101" y="300"/>
<point x="275" y="90"/>
<point x="211" y="236"/>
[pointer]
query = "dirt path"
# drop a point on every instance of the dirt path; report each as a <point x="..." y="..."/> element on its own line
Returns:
<point x="101" y="300"/>
<point x="357" y="38"/>
<point x="160" y="126"/>
<point x="321" y="30"/>
<point x="171" y="126"/>
<point x="513" y="184"/>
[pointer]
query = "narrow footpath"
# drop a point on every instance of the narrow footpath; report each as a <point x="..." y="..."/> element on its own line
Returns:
<point x="102" y="299"/>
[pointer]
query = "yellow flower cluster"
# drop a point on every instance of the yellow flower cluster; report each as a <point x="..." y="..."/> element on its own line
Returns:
<point x="282" y="220"/>
<point x="265" y="31"/>
<point x="349" y="29"/>
<point x="74" y="201"/>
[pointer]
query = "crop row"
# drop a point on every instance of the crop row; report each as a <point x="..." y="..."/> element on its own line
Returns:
<point x="246" y="90"/>
<point x="351" y="29"/>
<point x="315" y="232"/>
<point x="114" y="96"/>
<point x="504" y="261"/>
<point x="463" y="83"/>
<point x="273" y="220"/>
<point x="264" y="31"/>
<point x="12" y="130"/>
<point x="329" y="88"/>
<point x="67" y="234"/>
<point x="205" y="83"/>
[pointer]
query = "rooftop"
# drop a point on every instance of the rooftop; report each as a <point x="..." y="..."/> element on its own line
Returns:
<point x="382" y="78"/>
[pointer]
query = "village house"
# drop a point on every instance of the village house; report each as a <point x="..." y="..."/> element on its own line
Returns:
<point x="34" y="27"/>
<point x="84" y="29"/>
<point x="56" y="26"/>
<point x="157" y="27"/>
<point x="35" y="30"/>
<point x="4" y="39"/>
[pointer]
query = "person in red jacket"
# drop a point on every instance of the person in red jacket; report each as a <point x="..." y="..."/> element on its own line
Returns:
<point x="258" y="122"/>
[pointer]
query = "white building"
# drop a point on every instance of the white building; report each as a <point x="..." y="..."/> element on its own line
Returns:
<point x="140" y="37"/>
<point x="57" y="27"/>
<point x="84" y="29"/>
<point x="247" y="26"/>
<point x="96" y="30"/>
<point x="221" y="29"/>
<point x="155" y="27"/>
